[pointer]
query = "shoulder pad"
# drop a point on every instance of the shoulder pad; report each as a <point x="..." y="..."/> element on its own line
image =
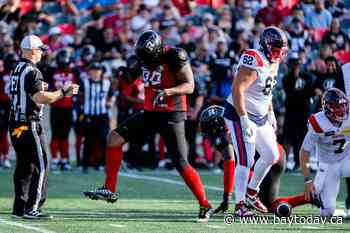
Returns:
<point x="251" y="59"/>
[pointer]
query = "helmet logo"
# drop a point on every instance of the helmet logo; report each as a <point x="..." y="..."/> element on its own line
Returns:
<point x="150" y="45"/>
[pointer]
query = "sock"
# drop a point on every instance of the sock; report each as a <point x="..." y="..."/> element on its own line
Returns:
<point x="161" y="148"/>
<point x="229" y="177"/>
<point x="294" y="201"/>
<point x="194" y="182"/>
<point x="113" y="162"/>
<point x="64" y="149"/>
<point x="241" y="182"/>
<point x="207" y="150"/>
<point x="55" y="145"/>
<point x="261" y="168"/>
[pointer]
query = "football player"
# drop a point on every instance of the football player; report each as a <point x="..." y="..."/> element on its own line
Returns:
<point x="213" y="127"/>
<point x="250" y="118"/>
<point x="328" y="133"/>
<point x="168" y="78"/>
<point x="61" y="110"/>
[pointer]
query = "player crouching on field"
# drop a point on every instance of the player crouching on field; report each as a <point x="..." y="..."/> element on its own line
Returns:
<point x="328" y="132"/>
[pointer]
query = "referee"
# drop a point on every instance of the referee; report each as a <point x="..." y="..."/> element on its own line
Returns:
<point x="28" y="96"/>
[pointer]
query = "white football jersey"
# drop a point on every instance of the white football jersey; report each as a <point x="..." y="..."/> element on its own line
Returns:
<point x="331" y="142"/>
<point x="258" y="96"/>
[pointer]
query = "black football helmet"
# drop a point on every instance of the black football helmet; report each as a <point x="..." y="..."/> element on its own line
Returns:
<point x="87" y="53"/>
<point x="149" y="49"/>
<point x="335" y="104"/>
<point x="213" y="126"/>
<point x="274" y="43"/>
<point x="10" y="62"/>
<point x="64" y="58"/>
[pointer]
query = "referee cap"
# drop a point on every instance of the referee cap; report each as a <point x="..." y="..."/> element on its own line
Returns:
<point x="32" y="42"/>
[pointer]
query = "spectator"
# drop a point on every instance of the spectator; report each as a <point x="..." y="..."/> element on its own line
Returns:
<point x="109" y="46"/>
<point x="221" y="63"/>
<point x="55" y="39"/>
<point x="297" y="13"/>
<point x="319" y="66"/>
<point x="270" y="15"/>
<point x="318" y="18"/>
<point x="61" y="110"/>
<point x="332" y="78"/>
<point x="298" y="35"/>
<point x="187" y="44"/>
<point x="10" y="11"/>
<point x="39" y="15"/>
<point x="298" y="89"/>
<point x="336" y="38"/>
<point x="247" y="22"/>
<point x="336" y="8"/>
<point x="225" y="20"/>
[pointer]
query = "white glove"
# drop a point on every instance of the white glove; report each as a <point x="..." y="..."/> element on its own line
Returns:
<point x="248" y="129"/>
<point x="271" y="118"/>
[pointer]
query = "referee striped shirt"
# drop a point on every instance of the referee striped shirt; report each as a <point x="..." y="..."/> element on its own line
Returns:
<point x="25" y="81"/>
<point x="95" y="96"/>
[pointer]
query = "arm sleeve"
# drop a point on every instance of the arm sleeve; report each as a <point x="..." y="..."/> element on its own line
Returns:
<point x="310" y="139"/>
<point x="33" y="82"/>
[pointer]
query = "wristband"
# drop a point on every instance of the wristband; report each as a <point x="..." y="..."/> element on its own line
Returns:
<point x="307" y="180"/>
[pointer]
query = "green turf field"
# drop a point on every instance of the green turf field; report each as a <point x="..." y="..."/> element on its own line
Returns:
<point x="149" y="202"/>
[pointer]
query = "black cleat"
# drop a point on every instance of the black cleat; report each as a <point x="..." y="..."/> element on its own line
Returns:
<point x="224" y="206"/>
<point x="102" y="194"/>
<point x="37" y="215"/>
<point x="204" y="214"/>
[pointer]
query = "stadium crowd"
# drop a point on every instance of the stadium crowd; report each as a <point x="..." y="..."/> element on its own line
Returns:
<point x="91" y="43"/>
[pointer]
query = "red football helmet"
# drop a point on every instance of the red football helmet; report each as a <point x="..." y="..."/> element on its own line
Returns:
<point x="274" y="43"/>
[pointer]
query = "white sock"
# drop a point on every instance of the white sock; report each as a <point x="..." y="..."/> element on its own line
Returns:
<point x="261" y="168"/>
<point x="241" y="182"/>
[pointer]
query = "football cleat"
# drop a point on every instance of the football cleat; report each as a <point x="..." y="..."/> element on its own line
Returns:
<point x="223" y="207"/>
<point x="37" y="215"/>
<point x="242" y="210"/>
<point x="204" y="214"/>
<point x="254" y="202"/>
<point x="102" y="194"/>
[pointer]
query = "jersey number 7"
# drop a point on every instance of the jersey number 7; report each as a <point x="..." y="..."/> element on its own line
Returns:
<point x="342" y="143"/>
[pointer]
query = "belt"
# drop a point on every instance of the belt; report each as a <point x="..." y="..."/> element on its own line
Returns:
<point x="18" y="131"/>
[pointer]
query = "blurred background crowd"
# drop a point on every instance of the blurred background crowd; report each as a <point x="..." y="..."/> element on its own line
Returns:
<point x="92" y="40"/>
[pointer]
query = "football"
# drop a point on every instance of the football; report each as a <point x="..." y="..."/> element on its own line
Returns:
<point x="283" y="209"/>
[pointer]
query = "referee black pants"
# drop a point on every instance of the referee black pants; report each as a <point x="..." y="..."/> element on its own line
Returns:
<point x="30" y="177"/>
<point x="95" y="134"/>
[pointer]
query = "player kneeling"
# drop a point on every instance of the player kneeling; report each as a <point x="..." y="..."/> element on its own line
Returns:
<point x="328" y="133"/>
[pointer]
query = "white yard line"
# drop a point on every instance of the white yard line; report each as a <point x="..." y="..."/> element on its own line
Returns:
<point x="27" y="227"/>
<point x="117" y="225"/>
<point x="166" y="180"/>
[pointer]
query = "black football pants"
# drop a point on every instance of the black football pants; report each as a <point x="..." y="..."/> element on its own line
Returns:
<point x="30" y="177"/>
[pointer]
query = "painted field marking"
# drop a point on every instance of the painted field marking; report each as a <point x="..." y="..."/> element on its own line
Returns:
<point x="20" y="225"/>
